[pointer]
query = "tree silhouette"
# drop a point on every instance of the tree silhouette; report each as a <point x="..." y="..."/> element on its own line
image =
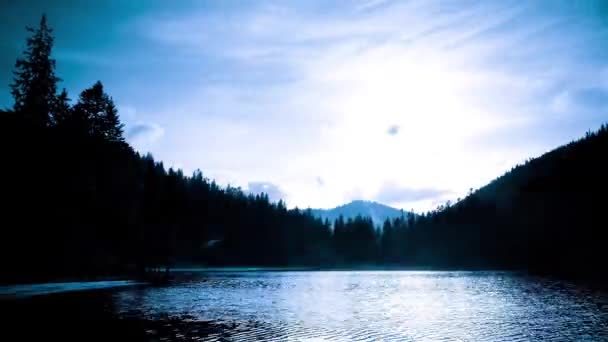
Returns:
<point x="98" y="115"/>
<point x="34" y="85"/>
<point x="62" y="111"/>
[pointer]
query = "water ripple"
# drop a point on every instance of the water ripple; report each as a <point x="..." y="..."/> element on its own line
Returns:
<point x="374" y="306"/>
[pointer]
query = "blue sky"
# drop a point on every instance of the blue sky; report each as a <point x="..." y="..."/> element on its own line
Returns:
<point x="410" y="103"/>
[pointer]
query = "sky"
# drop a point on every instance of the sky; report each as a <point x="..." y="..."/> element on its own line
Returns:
<point x="408" y="103"/>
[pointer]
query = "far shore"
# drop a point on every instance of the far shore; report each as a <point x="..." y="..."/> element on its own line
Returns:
<point x="30" y="290"/>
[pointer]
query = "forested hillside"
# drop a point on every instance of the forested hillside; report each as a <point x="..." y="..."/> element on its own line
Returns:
<point x="548" y="215"/>
<point x="80" y="201"/>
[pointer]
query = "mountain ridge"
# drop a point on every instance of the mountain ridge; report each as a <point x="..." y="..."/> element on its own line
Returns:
<point x="377" y="211"/>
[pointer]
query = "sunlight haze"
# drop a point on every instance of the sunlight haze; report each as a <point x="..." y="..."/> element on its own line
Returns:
<point x="409" y="103"/>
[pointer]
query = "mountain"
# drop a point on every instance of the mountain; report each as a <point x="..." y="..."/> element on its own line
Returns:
<point x="377" y="211"/>
<point x="547" y="215"/>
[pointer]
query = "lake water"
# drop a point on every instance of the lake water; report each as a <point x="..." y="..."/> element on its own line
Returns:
<point x="373" y="306"/>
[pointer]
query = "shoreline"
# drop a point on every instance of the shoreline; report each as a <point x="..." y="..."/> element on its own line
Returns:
<point x="18" y="291"/>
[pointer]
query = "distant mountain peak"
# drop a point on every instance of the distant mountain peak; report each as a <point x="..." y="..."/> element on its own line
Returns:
<point x="377" y="211"/>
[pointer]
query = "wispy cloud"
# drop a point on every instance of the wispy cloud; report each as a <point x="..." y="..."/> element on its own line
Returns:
<point x="143" y="134"/>
<point x="320" y="181"/>
<point x="315" y="87"/>
<point x="432" y="97"/>
<point x="273" y="191"/>
<point x="392" y="193"/>
<point x="365" y="5"/>
<point x="393" y="130"/>
<point x="583" y="100"/>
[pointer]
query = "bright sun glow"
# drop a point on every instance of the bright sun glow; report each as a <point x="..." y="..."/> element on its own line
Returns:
<point x="416" y="95"/>
<point x="407" y="103"/>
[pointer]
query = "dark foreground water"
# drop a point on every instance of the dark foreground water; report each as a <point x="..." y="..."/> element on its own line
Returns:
<point x="339" y="306"/>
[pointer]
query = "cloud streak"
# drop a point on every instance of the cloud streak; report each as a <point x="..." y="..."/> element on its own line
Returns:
<point x="144" y="133"/>
<point x="391" y="193"/>
<point x="439" y="96"/>
<point x="393" y="130"/>
<point x="316" y="86"/>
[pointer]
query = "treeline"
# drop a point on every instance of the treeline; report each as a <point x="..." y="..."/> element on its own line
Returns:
<point x="547" y="216"/>
<point x="79" y="201"/>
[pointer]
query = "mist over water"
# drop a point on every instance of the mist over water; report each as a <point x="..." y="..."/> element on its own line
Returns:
<point x="372" y="306"/>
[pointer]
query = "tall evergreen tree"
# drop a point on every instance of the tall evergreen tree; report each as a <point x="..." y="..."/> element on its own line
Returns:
<point x="112" y="128"/>
<point x="34" y="84"/>
<point x="96" y="110"/>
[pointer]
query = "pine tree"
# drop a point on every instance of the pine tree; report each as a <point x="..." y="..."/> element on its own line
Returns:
<point x="99" y="114"/>
<point x="386" y="240"/>
<point x="62" y="110"/>
<point x="34" y="84"/>
<point x="112" y="128"/>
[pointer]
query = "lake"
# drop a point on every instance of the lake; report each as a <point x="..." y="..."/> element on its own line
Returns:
<point x="356" y="306"/>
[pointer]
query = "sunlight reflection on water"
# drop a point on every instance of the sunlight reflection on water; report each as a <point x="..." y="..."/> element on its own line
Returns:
<point x="379" y="306"/>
